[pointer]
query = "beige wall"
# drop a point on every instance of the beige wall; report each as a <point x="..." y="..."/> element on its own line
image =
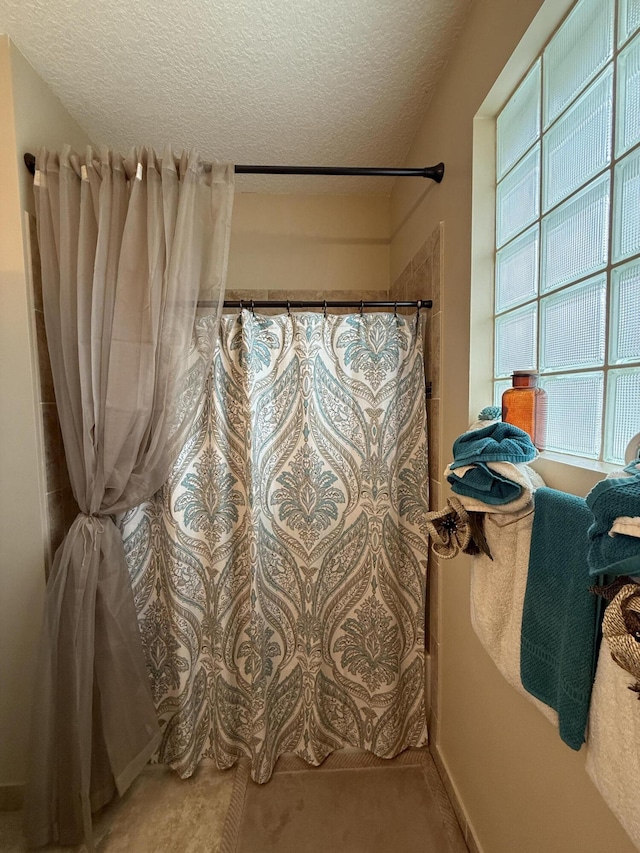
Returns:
<point x="520" y="787"/>
<point x="309" y="243"/>
<point x="29" y="116"/>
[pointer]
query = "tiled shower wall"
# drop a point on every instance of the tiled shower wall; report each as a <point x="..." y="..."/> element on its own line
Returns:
<point x="422" y="279"/>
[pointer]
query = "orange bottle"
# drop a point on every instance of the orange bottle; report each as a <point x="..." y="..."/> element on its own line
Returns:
<point x="525" y="405"/>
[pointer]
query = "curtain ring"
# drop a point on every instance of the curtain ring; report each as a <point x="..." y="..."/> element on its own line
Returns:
<point x="253" y="308"/>
<point x="288" y="308"/>
<point x="324" y="310"/>
<point x="361" y="307"/>
<point x="241" y="307"/>
<point x="418" y="307"/>
<point x="395" y="309"/>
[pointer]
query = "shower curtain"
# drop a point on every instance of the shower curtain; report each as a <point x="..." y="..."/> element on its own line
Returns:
<point x="129" y="245"/>
<point x="279" y="575"/>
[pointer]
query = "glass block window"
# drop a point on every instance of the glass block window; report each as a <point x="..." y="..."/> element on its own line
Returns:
<point x="517" y="270"/>
<point x="574" y="413"/>
<point x="519" y="122"/>
<point x="578" y="146"/>
<point x="516" y="334"/>
<point x="582" y="45"/>
<point x="567" y="249"/>
<point x="519" y="197"/>
<point x="624" y="392"/>
<point x="575" y="236"/>
<point x="626" y="228"/>
<point x="629" y="20"/>
<point x="572" y="326"/>
<point x="628" y="122"/>
<point x="498" y="390"/>
<point x="624" y="342"/>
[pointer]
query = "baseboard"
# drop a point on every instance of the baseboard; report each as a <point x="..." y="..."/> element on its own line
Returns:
<point x="11" y="798"/>
<point x="468" y="831"/>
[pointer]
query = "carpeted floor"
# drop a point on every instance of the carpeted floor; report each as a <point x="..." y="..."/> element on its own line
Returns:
<point x="353" y="803"/>
<point x="160" y="813"/>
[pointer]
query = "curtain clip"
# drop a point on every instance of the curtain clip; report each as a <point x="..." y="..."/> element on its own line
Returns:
<point x="324" y="310"/>
<point x="395" y="309"/>
<point x="418" y="307"/>
<point x="361" y="307"/>
<point x="241" y="307"/>
<point x="253" y="308"/>
<point x="288" y="308"/>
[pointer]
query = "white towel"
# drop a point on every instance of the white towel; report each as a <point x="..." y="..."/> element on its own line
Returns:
<point x="613" y="745"/>
<point x="521" y="474"/>
<point x="497" y="595"/>
<point x="626" y="525"/>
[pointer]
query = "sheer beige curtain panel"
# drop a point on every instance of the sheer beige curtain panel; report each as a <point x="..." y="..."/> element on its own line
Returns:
<point x="128" y="246"/>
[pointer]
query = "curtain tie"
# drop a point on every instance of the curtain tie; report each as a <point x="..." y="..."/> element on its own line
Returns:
<point x="89" y="521"/>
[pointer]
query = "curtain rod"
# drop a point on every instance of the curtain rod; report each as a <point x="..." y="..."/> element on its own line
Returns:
<point x="434" y="173"/>
<point x="302" y="303"/>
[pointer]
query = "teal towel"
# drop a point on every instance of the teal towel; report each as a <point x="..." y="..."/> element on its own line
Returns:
<point x="484" y="484"/>
<point x="498" y="442"/>
<point x="608" y="500"/>
<point x="559" y="639"/>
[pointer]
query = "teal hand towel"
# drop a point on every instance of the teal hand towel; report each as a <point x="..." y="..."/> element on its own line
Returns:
<point x="559" y="638"/>
<point x="608" y="500"/>
<point x="484" y="484"/>
<point x="498" y="442"/>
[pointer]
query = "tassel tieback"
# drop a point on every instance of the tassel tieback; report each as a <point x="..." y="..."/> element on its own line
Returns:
<point x="452" y="529"/>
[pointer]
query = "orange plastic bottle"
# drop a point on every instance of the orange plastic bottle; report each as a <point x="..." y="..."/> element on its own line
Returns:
<point x="525" y="405"/>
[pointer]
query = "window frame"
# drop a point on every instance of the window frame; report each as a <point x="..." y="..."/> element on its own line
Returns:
<point x="489" y="112"/>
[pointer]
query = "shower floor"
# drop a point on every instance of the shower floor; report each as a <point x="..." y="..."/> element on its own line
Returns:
<point x="353" y="803"/>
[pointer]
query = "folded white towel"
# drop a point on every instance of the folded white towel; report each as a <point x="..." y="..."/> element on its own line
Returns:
<point x="482" y="424"/>
<point x="521" y="474"/>
<point x="497" y="595"/>
<point x="627" y="525"/>
<point x="613" y="746"/>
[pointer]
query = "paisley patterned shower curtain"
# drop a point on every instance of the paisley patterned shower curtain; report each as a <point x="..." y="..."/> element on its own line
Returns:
<point x="279" y="575"/>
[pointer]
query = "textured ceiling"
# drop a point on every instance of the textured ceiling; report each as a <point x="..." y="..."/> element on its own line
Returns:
<point x="302" y="82"/>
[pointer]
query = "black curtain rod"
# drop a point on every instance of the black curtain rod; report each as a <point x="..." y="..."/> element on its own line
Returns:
<point x="301" y="303"/>
<point x="434" y="173"/>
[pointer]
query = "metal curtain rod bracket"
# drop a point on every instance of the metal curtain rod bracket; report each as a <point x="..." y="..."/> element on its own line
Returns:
<point x="301" y="303"/>
<point x="434" y="173"/>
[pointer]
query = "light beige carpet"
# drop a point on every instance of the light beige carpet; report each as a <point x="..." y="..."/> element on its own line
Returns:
<point x="160" y="813"/>
<point x="353" y="803"/>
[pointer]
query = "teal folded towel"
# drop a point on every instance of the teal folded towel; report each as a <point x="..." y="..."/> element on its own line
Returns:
<point x="558" y="649"/>
<point x="608" y="500"/>
<point x="498" y="442"/>
<point x="484" y="484"/>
